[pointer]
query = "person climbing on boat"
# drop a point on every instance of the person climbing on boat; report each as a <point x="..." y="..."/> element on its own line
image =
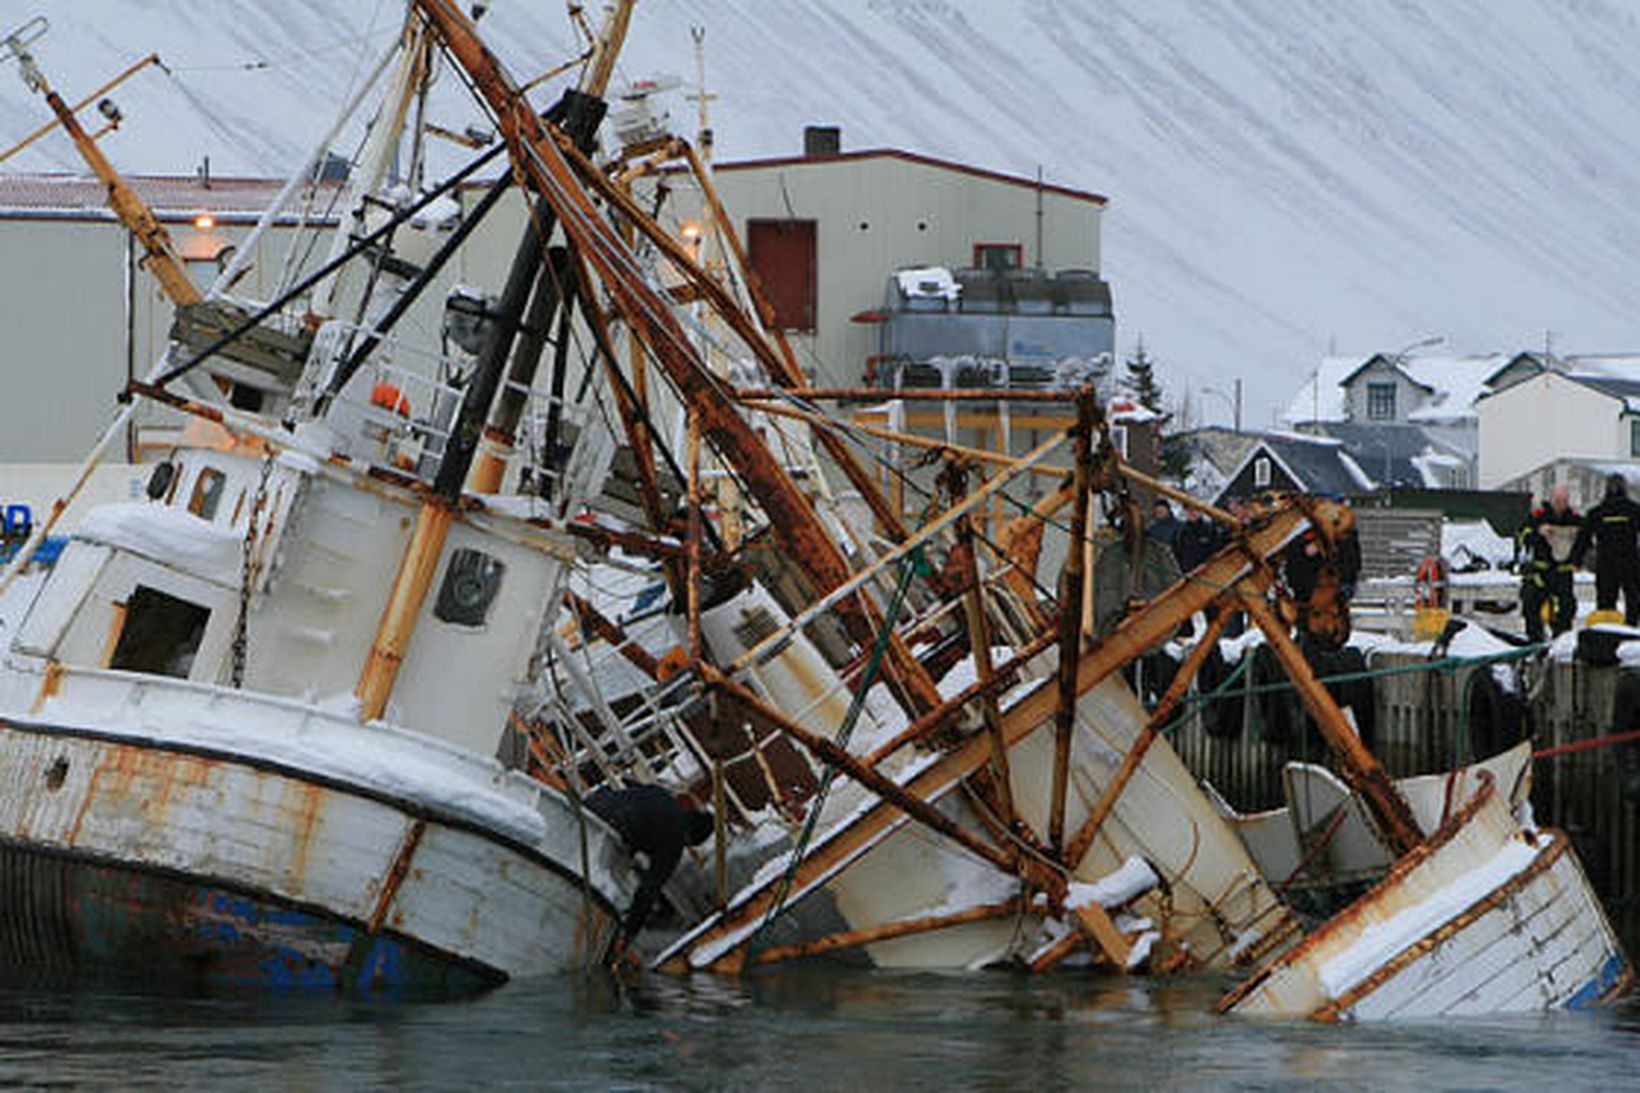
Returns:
<point x="1544" y="546"/>
<point x="1613" y="527"/>
<point x="656" y="827"/>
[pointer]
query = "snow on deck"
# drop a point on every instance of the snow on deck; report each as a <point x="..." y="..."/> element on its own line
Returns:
<point x="1380" y="942"/>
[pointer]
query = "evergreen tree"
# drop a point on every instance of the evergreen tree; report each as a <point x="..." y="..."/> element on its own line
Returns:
<point x="1141" y="376"/>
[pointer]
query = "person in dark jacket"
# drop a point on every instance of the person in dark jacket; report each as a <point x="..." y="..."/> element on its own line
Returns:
<point x="1613" y="527"/>
<point x="1197" y="540"/>
<point x="656" y="825"/>
<point x="1164" y="526"/>
<point x="1544" y="546"/>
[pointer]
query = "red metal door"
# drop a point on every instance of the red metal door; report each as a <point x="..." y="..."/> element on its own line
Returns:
<point x="783" y="255"/>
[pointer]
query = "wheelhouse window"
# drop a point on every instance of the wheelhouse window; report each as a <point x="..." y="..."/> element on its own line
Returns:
<point x="471" y="583"/>
<point x="160" y="634"/>
<point x="1381" y="402"/>
<point x="207" y="493"/>
<point x="1003" y="256"/>
<point x="1634" y="437"/>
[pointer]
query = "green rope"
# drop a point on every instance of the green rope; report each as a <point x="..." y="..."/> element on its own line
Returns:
<point x="912" y="565"/>
<point x="1448" y="664"/>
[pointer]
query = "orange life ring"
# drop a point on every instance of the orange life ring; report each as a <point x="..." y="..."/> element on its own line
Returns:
<point x="1429" y="583"/>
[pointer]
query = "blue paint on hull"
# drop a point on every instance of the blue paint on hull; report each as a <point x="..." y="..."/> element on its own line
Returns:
<point x="70" y="914"/>
<point x="1597" y="990"/>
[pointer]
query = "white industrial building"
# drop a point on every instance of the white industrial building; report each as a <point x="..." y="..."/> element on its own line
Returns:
<point x="825" y="231"/>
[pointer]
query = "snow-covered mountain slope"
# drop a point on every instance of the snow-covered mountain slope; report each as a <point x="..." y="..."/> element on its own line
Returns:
<point x="1282" y="175"/>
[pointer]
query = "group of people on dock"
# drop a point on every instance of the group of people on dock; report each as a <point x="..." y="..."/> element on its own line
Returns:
<point x="1554" y="543"/>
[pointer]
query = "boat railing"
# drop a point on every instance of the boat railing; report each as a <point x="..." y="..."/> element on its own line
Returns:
<point x="408" y="401"/>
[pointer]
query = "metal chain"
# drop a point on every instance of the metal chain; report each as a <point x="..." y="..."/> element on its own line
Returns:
<point x="237" y="671"/>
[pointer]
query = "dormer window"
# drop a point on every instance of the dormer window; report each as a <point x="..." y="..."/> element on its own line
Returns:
<point x="1261" y="472"/>
<point x="1380" y="402"/>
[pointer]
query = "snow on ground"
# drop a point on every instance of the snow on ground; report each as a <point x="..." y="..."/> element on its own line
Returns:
<point x="1463" y="541"/>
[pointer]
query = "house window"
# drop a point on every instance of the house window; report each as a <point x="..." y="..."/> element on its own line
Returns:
<point x="1634" y="436"/>
<point x="160" y="634"/>
<point x="999" y="256"/>
<point x="1261" y="472"/>
<point x="783" y="255"/>
<point x="207" y="494"/>
<point x="1380" y="402"/>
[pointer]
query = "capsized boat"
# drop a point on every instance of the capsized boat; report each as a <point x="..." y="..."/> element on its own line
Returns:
<point x="1487" y="916"/>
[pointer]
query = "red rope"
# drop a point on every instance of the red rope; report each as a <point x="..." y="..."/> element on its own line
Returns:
<point x="1588" y="745"/>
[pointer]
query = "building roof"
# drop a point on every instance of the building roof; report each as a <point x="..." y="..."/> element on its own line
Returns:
<point x="918" y="158"/>
<point x="1454" y="384"/>
<point x="1318" y="464"/>
<point x="1625" y="388"/>
<point x="1393" y="454"/>
<point x="171" y="197"/>
<point x="1615" y="365"/>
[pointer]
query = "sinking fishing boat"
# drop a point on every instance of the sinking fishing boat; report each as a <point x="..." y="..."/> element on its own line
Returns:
<point x="255" y="719"/>
<point x="248" y="725"/>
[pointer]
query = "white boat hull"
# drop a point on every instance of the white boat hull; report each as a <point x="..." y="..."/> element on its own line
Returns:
<point x="1484" y="918"/>
<point x="141" y="845"/>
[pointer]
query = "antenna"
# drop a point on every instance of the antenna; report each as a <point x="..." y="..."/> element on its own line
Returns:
<point x="17" y="43"/>
<point x="702" y="97"/>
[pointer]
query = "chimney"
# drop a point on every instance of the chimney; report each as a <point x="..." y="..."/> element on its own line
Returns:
<point x="822" y="140"/>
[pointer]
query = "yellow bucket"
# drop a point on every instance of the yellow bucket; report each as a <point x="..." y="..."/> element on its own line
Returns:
<point x="1428" y="622"/>
<point x="1604" y="618"/>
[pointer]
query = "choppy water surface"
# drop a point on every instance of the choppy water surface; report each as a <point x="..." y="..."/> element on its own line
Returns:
<point x="830" y="1029"/>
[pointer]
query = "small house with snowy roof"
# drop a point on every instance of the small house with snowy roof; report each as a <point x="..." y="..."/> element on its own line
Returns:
<point x="1416" y="412"/>
<point x="1298" y="462"/>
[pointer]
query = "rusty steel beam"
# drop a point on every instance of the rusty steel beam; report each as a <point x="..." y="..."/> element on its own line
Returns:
<point x="692" y="542"/>
<point x="1077" y="849"/>
<point x="940" y="717"/>
<point x="781" y="366"/>
<point x="633" y="541"/>
<point x="885" y="788"/>
<point x="784" y="368"/>
<point x="979" y="643"/>
<point x="398" y="621"/>
<point x="935" y="526"/>
<point x="612" y="632"/>
<point x="1070" y="613"/>
<point x="1146" y="627"/>
<point x="794" y="524"/>
<point x="910" y="394"/>
<point x="870" y="935"/>
<point x="1360" y="767"/>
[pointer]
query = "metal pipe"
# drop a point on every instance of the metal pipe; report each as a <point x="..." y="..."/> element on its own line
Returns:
<point x="910" y="394"/>
<point x="1070" y="616"/>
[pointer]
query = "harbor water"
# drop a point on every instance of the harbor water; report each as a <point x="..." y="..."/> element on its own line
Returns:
<point x="809" y="1028"/>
